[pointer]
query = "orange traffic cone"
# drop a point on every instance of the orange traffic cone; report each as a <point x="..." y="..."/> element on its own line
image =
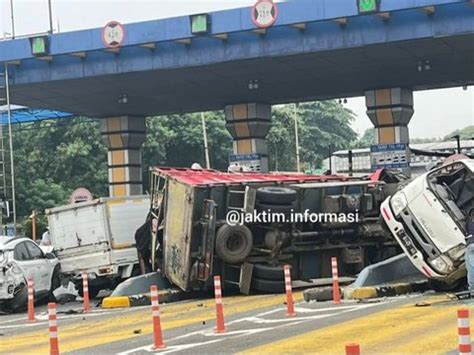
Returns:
<point x="220" y="326"/>
<point x="85" y="292"/>
<point x="464" y="331"/>
<point x="290" y="309"/>
<point x="352" y="349"/>
<point x="155" y="309"/>
<point x="31" y="300"/>
<point x="336" y="296"/>
<point x="53" y="329"/>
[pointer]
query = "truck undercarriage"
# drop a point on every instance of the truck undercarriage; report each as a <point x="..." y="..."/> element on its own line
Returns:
<point x="191" y="238"/>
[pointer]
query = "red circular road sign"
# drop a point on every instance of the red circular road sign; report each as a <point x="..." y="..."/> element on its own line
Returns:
<point x="80" y="194"/>
<point x="113" y="34"/>
<point x="264" y="13"/>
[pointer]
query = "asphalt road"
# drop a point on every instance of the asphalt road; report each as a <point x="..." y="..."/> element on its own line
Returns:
<point x="256" y="324"/>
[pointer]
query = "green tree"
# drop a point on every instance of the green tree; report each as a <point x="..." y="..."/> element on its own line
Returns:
<point x="177" y="140"/>
<point x="366" y="140"/>
<point x="465" y="133"/>
<point x="52" y="159"/>
<point x="323" y="127"/>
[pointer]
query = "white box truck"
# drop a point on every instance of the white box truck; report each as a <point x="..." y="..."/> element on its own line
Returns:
<point x="98" y="237"/>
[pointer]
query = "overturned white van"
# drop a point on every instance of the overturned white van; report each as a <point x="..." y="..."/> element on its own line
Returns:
<point x="428" y="219"/>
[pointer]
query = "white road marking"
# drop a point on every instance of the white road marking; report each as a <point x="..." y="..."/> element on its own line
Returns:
<point x="43" y="317"/>
<point x="257" y="319"/>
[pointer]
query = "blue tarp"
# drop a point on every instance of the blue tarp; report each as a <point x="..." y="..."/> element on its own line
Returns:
<point x="25" y="114"/>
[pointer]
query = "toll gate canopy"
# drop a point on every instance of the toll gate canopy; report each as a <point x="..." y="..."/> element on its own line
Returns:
<point x="314" y="49"/>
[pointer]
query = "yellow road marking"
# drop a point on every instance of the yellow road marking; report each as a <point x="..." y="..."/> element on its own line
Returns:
<point x="406" y="329"/>
<point x="93" y="332"/>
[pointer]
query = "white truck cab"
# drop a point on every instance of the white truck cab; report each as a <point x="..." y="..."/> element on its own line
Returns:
<point x="428" y="219"/>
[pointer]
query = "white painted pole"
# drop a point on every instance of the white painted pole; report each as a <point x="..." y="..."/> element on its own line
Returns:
<point x="10" y="141"/>
<point x="295" y="114"/>
<point x="206" y="148"/>
<point x="13" y="19"/>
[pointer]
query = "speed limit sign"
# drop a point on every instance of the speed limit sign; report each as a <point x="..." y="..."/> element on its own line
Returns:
<point x="264" y="13"/>
<point x="113" y="34"/>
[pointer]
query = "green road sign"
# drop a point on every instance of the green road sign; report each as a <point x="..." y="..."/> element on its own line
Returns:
<point x="39" y="45"/>
<point x="199" y="24"/>
<point x="368" y="6"/>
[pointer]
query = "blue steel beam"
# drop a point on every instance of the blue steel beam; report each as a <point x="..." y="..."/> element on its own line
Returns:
<point x="229" y="21"/>
<point x="407" y="24"/>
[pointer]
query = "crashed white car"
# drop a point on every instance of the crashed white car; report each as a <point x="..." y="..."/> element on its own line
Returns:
<point x="20" y="259"/>
<point x="428" y="219"/>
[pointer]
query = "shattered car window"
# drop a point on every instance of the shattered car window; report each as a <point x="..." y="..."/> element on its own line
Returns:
<point x="454" y="186"/>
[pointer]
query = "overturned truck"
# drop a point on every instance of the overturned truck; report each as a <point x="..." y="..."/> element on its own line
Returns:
<point x="246" y="226"/>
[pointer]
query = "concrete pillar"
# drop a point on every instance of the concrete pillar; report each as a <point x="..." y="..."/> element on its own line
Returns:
<point x="249" y="125"/>
<point x="390" y="110"/>
<point x="124" y="136"/>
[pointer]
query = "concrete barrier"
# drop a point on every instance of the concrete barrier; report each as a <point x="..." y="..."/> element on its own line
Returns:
<point x="397" y="289"/>
<point x="392" y="277"/>
<point x="140" y="285"/>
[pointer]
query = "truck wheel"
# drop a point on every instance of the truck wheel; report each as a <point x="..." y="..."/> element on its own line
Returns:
<point x="55" y="283"/>
<point x="233" y="243"/>
<point x="384" y="226"/>
<point x="440" y="286"/>
<point x="93" y="292"/>
<point x="274" y="195"/>
<point x="268" y="285"/>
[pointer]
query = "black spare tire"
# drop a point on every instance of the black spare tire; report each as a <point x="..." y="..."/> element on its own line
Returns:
<point x="233" y="243"/>
<point x="276" y="195"/>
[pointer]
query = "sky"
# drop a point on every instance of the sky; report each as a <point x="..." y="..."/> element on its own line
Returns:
<point x="446" y="110"/>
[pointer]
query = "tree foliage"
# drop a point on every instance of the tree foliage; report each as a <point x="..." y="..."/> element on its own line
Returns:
<point x="465" y="133"/>
<point x="322" y="127"/>
<point x="51" y="160"/>
<point x="366" y="140"/>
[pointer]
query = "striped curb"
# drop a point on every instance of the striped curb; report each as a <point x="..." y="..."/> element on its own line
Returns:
<point x="363" y="293"/>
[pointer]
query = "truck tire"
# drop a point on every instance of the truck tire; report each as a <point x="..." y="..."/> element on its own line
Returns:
<point x="440" y="286"/>
<point x="268" y="285"/>
<point x="285" y="209"/>
<point x="275" y="195"/>
<point x="93" y="292"/>
<point x="233" y="243"/>
<point x="384" y="226"/>
<point x="267" y="272"/>
<point x="55" y="283"/>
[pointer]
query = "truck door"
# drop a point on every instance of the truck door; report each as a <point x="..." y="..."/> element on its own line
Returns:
<point x="208" y="222"/>
<point x="177" y="233"/>
<point x="81" y="236"/>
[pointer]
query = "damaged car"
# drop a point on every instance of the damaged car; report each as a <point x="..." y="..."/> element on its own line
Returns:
<point x="20" y="259"/>
<point x="428" y="219"/>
